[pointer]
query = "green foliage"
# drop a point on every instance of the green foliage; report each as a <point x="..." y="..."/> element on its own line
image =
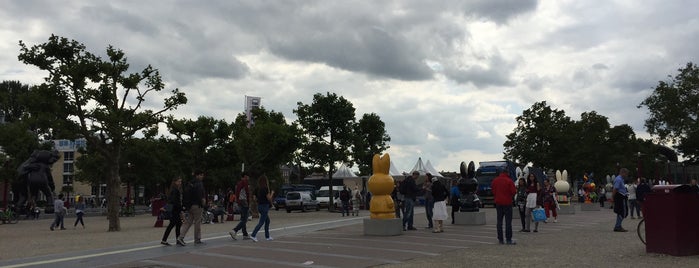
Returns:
<point x="674" y="112"/>
<point x="328" y="125"/>
<point x="541" y="137"/>
<point x="97" y="99"/>
<point x="370" y="138"/>
<point x="269" y="143"/>
<point x="548" y="138"/>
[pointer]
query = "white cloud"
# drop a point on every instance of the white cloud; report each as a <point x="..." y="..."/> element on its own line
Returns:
<point x="447" y="78"/>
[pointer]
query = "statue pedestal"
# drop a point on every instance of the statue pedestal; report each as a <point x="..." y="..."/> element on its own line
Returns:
<point x="469" y="218"/>
<point x="566" y="209"/>
<point x="589" y="207"/>
<point x="383" y="227"/>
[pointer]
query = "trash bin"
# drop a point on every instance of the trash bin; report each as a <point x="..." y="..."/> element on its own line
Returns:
<point x="672" y="220"/>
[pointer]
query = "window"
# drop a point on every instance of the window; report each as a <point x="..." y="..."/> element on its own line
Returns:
<point x="67" y="179"/>
<point x="68" y="168"/>
<point x="68" y="156"/>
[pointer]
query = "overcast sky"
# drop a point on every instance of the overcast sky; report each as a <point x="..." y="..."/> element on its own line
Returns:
<point x="447" y="77"/>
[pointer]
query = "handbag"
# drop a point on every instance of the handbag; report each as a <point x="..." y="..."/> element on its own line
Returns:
<point x="166" y="212"/>
<point x="539" y="215"/>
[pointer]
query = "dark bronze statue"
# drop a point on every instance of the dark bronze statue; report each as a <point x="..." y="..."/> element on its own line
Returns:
<point x="468" y="199"/>
<point x="35" y="176"/>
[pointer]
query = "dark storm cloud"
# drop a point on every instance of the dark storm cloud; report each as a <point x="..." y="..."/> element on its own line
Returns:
<point x="497" y="72"/>
<point x="499" y="11"/>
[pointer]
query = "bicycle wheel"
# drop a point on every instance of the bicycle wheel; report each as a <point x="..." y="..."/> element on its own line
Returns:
<point x="13" y="218"/>
<point x="641" y="230"/>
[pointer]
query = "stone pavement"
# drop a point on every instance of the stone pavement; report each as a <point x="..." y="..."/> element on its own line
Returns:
<point x="322" y="239"/>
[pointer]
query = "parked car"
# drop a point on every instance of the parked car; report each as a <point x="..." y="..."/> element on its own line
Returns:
<point x="280" y="199"/>
<point x="301" y="200"/>
<point x="324" y="196"/>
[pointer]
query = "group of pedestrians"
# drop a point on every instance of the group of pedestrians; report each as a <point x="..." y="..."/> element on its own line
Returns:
<point x="60" y="211"/>
<point x="187" y="204"/>
<point x="435" y="194"/>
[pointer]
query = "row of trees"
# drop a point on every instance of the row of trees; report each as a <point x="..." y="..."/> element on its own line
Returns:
<point x="550" y="139"/>
<point x="86" y="96"/>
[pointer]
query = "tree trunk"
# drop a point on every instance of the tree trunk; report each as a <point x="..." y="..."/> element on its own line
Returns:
<point x="113" y="204"/>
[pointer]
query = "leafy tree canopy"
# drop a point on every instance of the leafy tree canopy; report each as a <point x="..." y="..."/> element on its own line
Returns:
<point x="674" y="112"/>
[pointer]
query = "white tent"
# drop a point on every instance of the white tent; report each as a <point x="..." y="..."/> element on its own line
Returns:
<point x="393" y="171"/>
<point x="432" y="170"/>
<point x="419" y="167"/>
<point x="343" y="172"/>
<point x="348" y="177"/>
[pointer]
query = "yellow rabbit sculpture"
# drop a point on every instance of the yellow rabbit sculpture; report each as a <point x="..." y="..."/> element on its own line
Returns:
<point x="381" y="185"/>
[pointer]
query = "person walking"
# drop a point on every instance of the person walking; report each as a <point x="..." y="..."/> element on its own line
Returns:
<point x="429" y="200"/>
<point x="533" y="188"/>
<point x="196" y="200"/>
<point x="79" y="212"/>
<point x="345" y="200"/>
<point x="409" y="190"/>
<point x="356" y="201"/>
<point x="242" y="193"/>
<point x="641" y="191"/>
<point x="439" y="194"/>
<point x="633" y="204"/>
<point x="397" y="199"/>
<point x="59" y="212"/>
<point x="549" y="197"/>
<point x="521" y="200"/>
<point x="620" y="194"/>
<point x="264" y="201"/>
<point x="454" y="195"/>
<point x="504" y="191"/>
<point x="174" y="200"/>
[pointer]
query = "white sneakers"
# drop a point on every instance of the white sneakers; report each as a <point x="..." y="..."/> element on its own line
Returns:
<point x="254" y="239"/>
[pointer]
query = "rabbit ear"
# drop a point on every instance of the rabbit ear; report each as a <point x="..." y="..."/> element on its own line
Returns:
<point x="462" y="169"/>
<point x="381" y="164"/>
<point x="564" y="175"/>
<point x="558" y="175"/>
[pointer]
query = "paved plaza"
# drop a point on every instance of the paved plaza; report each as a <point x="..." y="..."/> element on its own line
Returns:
<point x="323" y="239"/>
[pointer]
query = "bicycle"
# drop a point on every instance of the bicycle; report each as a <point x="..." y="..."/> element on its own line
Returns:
<point x="641" y="230"/>
<point x="9" y="216"/>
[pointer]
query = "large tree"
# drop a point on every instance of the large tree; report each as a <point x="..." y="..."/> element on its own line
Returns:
<point x="100" y="100"/>
<point x="540" y="137"/>
<point x="266" y="144"/>
<point x="674" y="112"/>
<point x="328" y="124"/>
<point x="370" y="138"/>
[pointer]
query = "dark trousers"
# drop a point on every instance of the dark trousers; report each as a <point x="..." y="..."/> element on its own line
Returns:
<point x="506" y="213"/>
<point x="243" y="221"/>
<point x="454" y="208"/>
<point x="522" y="216"/>
<point x="175" y="222"/>
<point x="79" y="219"/>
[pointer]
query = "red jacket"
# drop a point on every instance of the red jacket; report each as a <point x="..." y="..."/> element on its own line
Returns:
<point x="503" y="189"/>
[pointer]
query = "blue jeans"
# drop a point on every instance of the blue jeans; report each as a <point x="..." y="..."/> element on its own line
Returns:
<point x="408" y="211"/>
<point x="429" y="206"/>
<point x="504" y="212"/>
<point x="264" y="219"/>
<point x="243" y="221"/>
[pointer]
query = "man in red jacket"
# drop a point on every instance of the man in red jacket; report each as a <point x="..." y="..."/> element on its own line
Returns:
<point x="504" y="191"/>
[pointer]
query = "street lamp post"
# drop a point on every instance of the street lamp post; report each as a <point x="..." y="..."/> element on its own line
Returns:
<point x="128" y="185"/>
<point x="638" y="165"/>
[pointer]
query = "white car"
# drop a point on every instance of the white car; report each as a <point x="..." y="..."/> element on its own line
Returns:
<point x="301" y="201"/>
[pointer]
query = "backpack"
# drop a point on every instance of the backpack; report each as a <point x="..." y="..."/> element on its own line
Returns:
<point x="402" y="189"/>
<point x="344" y="195"/>
<point x="187" y="195"/>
